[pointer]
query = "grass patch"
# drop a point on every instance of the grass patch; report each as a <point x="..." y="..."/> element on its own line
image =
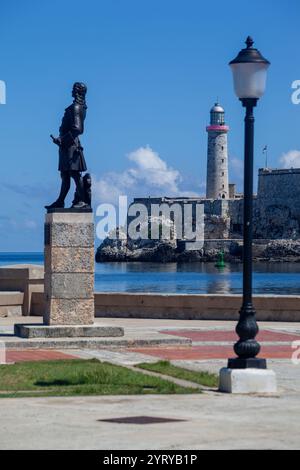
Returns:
<point x="165" y="367"/>
<point x="79" y="377"/>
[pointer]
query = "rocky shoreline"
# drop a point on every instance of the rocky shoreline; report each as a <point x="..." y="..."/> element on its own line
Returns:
<point x="171" y="251"/>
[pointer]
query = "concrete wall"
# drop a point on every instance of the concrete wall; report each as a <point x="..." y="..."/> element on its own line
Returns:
<point x="185" y="306"/>
<point x="11" y="303"/>
<point x="25" y="278"/>
<point x="193" y="307"/>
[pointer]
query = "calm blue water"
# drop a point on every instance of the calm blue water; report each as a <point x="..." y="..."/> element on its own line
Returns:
<point x="191" y="278"/>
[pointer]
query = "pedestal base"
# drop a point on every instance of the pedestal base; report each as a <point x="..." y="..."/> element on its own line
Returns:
<point x="67" y="331"/>
<point x="249" y="363"/>
<point x="246" y="381"/>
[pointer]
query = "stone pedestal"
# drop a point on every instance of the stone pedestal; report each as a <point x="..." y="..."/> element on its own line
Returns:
<point x="69" y="268"/>
<point x="69" y="286"/>
<point x="247" y="381"/>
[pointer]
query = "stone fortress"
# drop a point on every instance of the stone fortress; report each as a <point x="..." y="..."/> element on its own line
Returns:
<point x="276" y="206"/>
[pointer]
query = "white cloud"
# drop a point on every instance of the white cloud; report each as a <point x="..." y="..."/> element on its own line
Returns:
<point x="149" y="175"/>
<point x="154" y="171"/>
<point x="290" y="159"/>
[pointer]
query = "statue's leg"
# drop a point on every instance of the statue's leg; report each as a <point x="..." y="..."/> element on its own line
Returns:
<point x="76" y="198"/>
<point x="87" y="184"/>
<point x="65" y="186"/>
<point x="76" y="175"/>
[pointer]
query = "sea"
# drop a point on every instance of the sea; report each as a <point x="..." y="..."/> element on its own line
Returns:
<point x="182" y="278"/>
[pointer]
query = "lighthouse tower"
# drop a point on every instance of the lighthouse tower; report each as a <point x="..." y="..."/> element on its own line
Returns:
<point x="217" y="155"/>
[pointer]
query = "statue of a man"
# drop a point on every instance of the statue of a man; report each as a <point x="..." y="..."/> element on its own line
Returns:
<point x="71" y="158"/>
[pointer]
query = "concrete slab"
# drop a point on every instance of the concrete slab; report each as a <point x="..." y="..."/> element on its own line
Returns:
<point x="209" y="421"/>
<point x="66" y="331"/>
<point x="128" y="340"/>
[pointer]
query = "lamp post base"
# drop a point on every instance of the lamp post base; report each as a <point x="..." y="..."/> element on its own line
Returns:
<point x="247" y="381"/>
<point x="247" y="363"/>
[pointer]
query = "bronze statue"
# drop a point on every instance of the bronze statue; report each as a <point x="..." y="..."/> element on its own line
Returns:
<point x="71" y="158"/>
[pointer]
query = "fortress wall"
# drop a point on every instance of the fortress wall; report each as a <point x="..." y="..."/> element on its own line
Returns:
<point x="279" y="187"/>
<point x="278" y="204"/>
<point x="276" y="209"/>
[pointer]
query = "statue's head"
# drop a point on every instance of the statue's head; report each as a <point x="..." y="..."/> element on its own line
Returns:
<point x="79" y="91"/>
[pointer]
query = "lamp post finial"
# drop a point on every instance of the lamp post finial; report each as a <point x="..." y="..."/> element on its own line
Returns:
<point x="249" y="42"/>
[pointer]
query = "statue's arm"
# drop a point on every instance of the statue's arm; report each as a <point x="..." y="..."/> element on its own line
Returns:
<point x="76" y="128"/>
<point x="77" y="125"/>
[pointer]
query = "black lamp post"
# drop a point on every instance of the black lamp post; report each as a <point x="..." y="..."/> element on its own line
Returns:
<point x="249" y="70"/>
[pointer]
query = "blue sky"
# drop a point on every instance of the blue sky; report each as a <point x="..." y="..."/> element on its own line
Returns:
<point x="153" y="70"/>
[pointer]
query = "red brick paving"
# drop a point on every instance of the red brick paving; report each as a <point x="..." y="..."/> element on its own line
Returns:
<point x="36" y="355"/>
<point x="212" y="352"/>
<point x="199" y="352"/>
<point x="200" y="335"/>
<point x="181" y="352"/>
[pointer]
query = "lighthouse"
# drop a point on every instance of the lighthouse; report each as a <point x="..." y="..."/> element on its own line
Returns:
<point x="217" y="155"/>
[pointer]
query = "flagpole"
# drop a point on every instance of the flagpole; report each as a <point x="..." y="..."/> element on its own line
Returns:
<point x="265" y="151"/>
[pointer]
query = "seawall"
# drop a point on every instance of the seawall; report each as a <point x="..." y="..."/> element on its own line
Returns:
<point x="21" y="293"/>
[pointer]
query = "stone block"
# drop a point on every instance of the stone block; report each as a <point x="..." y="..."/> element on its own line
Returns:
<point x="69" y="259"/>
<point x="247" y="381"/>
<point x="70" y="235"/>
<point x="69" y="217"/>
<point x="10" y="311"/>
<point x="69" y="286"/>
<point x="72" y="311"/>
<point x="21" y="272"/>
<point x="67" y="331"/>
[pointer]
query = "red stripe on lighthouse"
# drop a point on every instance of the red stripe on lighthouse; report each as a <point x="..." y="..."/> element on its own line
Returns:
<point x="217" y="128"/>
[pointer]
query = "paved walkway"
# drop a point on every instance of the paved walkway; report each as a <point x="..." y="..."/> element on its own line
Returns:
<point x="192" y="340"/>
<point x="211" y="420"/>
